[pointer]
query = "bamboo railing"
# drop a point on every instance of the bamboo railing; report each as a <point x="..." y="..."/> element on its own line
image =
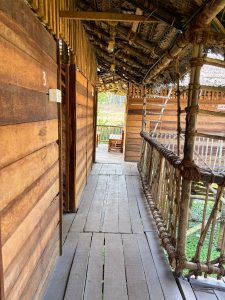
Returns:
<point x="162" y="173"/>
<point x="209" y="152"/>
<point x="104" y="132"/>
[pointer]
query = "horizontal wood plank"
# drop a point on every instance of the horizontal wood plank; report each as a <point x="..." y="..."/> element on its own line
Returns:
<point x="21" y="105"/>
<point x="24" y="172"/>
<point x="18" y="141"/>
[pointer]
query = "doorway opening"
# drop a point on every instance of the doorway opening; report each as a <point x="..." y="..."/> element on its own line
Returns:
<point x="110" y="127"/>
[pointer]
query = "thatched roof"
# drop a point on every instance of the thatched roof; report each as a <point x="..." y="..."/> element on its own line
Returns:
<point x="135" y="49"/>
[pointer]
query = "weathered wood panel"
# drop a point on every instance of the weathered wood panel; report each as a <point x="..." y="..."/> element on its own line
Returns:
<point x="84" y="133"/>
<point x="25" y="139"/>
<point x="29" y="171"/>
<point x="168" y="119"/>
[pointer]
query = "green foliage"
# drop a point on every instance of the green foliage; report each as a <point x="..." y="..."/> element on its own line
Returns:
<point x="192" y="240"/>
<point x="111" y="109"/>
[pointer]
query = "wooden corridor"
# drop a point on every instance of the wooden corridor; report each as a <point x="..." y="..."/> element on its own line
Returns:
<point x="111" y="250"/>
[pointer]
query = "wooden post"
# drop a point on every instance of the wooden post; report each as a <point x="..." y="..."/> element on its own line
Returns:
<point x="2" y="292"/>
<point x="59" y="105"/>
<point x="95" y="122"/>
<point x="72" y="109"/>
<point x="191" y="118"/>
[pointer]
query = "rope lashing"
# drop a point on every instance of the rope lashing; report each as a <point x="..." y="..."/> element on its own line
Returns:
<point x="190" y="111"/>
<point x="190" y="170"/>
<point x="197" y="62"/>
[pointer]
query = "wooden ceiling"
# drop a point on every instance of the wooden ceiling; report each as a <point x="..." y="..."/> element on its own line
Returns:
<point x="131" y="38"/>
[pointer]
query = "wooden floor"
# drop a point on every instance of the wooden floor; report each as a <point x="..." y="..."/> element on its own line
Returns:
<point x="111" y="249"/>
<point x="103" y="156"/>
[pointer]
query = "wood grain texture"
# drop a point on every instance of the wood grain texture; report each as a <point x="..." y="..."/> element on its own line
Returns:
<point x="39" y="277"/>
<point x="23" y="231"/>
<point x="58" y="282"/>
<point x="30" y="73"/>
<point x="76" y="283"/>
<point x="22" y="105"/>
<point x="28" y="150"/>
<point x="28" y="258"/>
<point x="14" y="215"/>
<point x="24" y="139"/>
<point x="93" y="288"/>
<point x="2" y="289"/>
<point x="24" y="172"/>
<point x="168" y="119"/>
<point x="28" y="23"/>
<point x="115" y="278"/>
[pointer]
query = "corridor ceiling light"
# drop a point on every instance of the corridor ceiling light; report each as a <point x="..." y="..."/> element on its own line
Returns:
<point x="111" y="46"/>
<point x="113" y="68"/>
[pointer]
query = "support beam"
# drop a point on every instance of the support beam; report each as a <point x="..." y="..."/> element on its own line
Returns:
<point x="214" y="62"/>
<point x="217" y="24"/>
<point x="202" y="20"/>
<point x="158" y="12"/>
<point x="209" y="12"/>
<point x="105" y="16"/>
<point x="123" y="46"/>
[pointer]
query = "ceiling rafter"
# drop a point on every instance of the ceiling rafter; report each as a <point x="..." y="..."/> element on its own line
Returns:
<point x="122" y="73"/>
<point x="105" y="16"/>
<point x="156" y="11"/>
<point x="126" y="65"/>
<point x="119" y="53"/>
<point x="124" y="47"/>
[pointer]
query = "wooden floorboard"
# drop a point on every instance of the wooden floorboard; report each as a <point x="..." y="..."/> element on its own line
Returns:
<point x="114" y="272"/>
<point x="152" y="279"/>
<point x="58" y="283"/>
<point x="67" y="223"/>
<point x="94" y="283"/>
<point x="77" y="279"/>
<point x="112" y="250"/>
<point x="86" y="201"/>
<point x="136" y="281"/>
<point x="220" y="295"/>
<point x="187" y="290"/>
<point x="94" y="218"/>
<point x="136" y="222"/>
<point x="205" y="294"/>
<point x="167" y="280"/>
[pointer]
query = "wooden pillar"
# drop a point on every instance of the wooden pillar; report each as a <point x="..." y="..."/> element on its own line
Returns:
<point x="59" y="106"/>
<point x="191" y="118"/>
<point x="95" y="111"/>
<point x="72" y="111"/>
<point x="2" y="292"/>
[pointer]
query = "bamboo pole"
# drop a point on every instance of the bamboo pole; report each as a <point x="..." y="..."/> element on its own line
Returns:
<point x="178" y="106"/>
<point x="191" y="119"/>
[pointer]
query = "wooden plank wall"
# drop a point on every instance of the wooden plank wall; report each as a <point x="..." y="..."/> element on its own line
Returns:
<point x="133" y="121"/>
<point x="29" y="204"/>
<point x="84" y="133"/>
<point x="209" y="100"/>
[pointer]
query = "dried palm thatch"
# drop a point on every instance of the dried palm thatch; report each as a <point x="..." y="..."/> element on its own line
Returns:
<point x="131" y="51"/>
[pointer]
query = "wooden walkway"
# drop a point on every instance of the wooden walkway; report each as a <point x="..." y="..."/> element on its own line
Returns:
<point x="111" y="249"/>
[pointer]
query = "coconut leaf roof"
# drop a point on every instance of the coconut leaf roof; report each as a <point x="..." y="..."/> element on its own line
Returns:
<point x="128" y="51"/>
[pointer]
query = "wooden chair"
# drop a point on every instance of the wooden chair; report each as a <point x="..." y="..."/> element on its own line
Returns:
<point x="116" y="142"/>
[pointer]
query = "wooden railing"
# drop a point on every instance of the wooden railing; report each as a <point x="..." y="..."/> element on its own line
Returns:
<point x="208" y="153"/>
<point x="104" y="132"/>
<point x="194" y="246"/>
